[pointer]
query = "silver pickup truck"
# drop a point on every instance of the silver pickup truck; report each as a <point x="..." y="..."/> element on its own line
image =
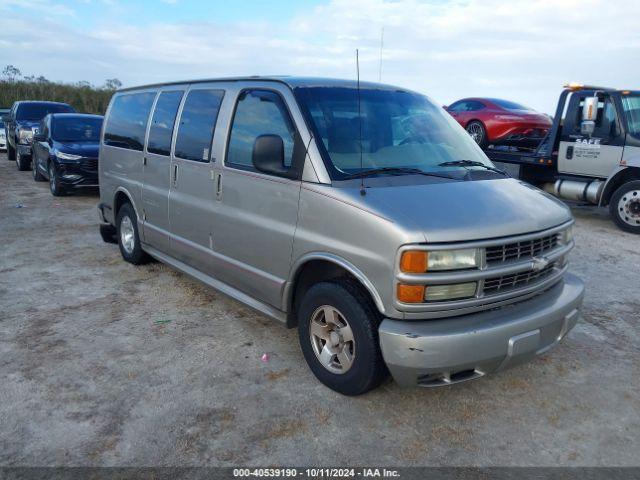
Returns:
<point x="363" y="215"/>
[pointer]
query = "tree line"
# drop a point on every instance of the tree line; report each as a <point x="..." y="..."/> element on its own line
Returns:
<point x="83" y="96"/>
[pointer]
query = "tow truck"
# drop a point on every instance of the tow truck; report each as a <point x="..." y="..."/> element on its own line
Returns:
<point x="591" y="153"/>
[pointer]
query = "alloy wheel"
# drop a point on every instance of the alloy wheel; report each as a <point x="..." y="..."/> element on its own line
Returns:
<point x="332" y="339"/>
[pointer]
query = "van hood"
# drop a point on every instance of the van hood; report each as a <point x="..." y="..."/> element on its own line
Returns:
<point x="465" y="211"/>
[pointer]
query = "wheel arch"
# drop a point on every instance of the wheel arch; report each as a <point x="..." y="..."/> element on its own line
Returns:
<point x="317" y="267"/>
<point x="122" y="196"/>
<point x="625" y="174"/>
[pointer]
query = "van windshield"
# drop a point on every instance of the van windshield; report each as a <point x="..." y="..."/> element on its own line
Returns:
<point x="399" y="129"/>
<point x="631" y="106"/>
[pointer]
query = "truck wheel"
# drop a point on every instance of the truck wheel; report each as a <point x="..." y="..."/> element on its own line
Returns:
<point x="338" y="332"/>
<point x="624" y="206"/>
<point x="128" y="236"/>
<point x="11" y="152"/>
<point x="478" y="133"/>
<point x="57" y="190"/>
<point x="22" y="162"/>
<point x="37" y="176"/>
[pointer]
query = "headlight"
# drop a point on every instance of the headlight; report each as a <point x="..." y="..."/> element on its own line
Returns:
<point x="420" y="261"/>
<point x="457" y="291"/>
<point x="68" y="156"/>
<point x="567" y="236"/>
<point x="25" y="136"/>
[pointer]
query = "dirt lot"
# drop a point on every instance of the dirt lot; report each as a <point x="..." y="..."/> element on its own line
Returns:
<point x="104" y="363"/>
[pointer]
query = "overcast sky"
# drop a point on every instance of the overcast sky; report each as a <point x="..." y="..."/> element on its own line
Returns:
<point x="522" y="50"/>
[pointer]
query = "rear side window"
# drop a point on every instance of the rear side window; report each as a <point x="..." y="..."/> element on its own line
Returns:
<point x="127" y="122"/>
<point x="164" y="117"/>
<point x="259" y="112"/>
<point x="197" y="123"/>
<point x="37" y="111"/>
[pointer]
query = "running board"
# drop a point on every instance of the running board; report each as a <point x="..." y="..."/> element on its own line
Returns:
<point x="222" y="287"/>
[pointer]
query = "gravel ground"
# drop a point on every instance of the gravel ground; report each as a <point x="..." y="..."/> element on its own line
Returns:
<point x="104" y="363"/>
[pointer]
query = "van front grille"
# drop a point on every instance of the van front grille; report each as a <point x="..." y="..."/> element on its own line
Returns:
<point x="519" y="250"/>
<point x="517" y="280"/>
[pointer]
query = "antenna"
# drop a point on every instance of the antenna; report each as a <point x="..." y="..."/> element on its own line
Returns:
<point x="362" y="190"/>
<point x="381" y="47"/>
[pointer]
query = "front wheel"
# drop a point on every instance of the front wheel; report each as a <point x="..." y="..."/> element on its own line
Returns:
<point x="57" y="190"/>
<point x="478" y="133"/>
<point x="338" y="333"/>
<point x="23" y="163"/>
<point x="11" y="152"/>
<point x="624" y="207"/>
<point x="129" y="237"/>
<point x="37" y="176"/>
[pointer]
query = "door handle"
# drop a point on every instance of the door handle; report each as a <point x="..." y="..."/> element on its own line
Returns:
<point x="219" y="187"/>
<point x="569" y="154"/>
<point x="144" y="160"/>
<point x="175" y="174"/>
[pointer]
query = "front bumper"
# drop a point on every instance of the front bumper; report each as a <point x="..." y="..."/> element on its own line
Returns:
<point x="24" y="150"/>
<point x="78" y="175"/>
<point x="442" y="352"/>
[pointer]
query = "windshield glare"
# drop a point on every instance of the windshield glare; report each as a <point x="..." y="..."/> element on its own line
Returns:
<point x="77" y="129"/>
<point x="631" y="106"/>
<point x="399" y="130"/>
<point x="37" y="111"/>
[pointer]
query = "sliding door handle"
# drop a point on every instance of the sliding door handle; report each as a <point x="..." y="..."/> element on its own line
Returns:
<point x="219" y="187"/>
<point x="175" y="174"/>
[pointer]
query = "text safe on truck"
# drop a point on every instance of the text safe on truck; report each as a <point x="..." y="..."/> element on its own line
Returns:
<point x="366" y="217"/>
<point x="591" y="153"/>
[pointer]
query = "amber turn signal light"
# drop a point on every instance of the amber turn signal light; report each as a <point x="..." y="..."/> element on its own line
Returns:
<point x="414" y="261"/>
<point x="410" y="293"/>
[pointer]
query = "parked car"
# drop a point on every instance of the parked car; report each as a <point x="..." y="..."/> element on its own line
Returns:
<point x="3" y="136"/>
<point x="21" y="122"/>
<point x="367" y="219"/>
<point x="500" y="122"/>
<point x="65" y="151"/>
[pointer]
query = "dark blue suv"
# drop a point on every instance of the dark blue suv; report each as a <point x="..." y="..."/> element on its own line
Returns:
<point x="65" y="151"/>
<point x="20" y="125"/>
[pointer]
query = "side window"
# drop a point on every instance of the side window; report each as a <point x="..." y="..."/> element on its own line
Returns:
<point x="164" y="117"/>
<point x="474" y="106"/>
<point x="127" y="122"/>
<point x="259" y="112"/>
<point x="606" y="124"/>
<point x="197" y="124"/>
<point x="457" y="107"/>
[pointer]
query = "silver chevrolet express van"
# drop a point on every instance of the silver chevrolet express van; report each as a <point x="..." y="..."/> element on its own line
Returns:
<point x="365" y="217"/>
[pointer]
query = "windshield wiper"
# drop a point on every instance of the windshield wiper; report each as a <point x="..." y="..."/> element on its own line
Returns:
<point x="472" y="163"/>
<point x="396" y="171"/>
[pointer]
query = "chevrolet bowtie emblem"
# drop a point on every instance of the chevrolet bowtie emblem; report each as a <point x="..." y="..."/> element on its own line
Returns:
<point x="539" y="263"/>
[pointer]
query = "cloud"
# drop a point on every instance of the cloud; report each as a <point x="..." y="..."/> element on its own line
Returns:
<point x="520" y="50"/>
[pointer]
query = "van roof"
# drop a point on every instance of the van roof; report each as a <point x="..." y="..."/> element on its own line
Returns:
<point x="292" y="82"/>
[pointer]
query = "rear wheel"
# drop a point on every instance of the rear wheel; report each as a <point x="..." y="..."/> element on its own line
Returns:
<point x="338" y="333"/>
<point x="57" y="190"/>
<point x="478" y="133"/>
<point x="624" y="207"/>
<point x="129" y="237"/>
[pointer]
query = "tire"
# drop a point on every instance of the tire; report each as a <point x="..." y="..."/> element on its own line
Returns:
<point x="624" y="207"/>
<point x="11" y="152"/>
<point x="478" y="133"/>
<point x="57" y="190"/>
<point x="108" y="233"/>
<point x="22" y="163"/>
<point x="353" y="307"/>
<point x="129" y="237"/>
<point x="37" y="176"/>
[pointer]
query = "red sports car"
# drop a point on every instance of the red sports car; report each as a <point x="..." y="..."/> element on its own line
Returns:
<point x="491" y="121"/>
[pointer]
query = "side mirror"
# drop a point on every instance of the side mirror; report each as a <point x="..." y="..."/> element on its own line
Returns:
<point x="587" y="127"/>
<point x="268" y="155"/>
